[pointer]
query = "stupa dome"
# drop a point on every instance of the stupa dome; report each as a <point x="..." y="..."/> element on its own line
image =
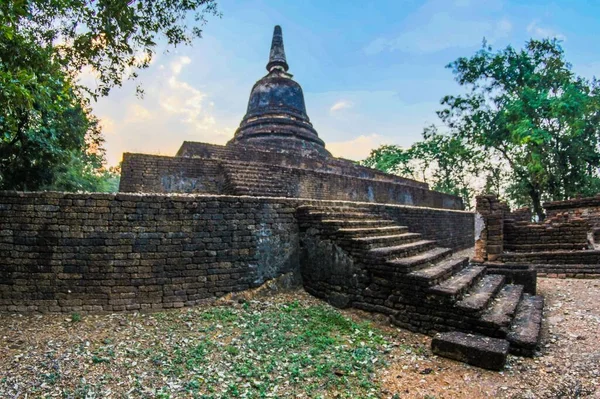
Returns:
<point x="276" y="117"/>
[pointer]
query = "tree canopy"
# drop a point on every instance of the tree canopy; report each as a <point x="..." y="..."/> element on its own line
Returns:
<point x="47" y="130"/>
<point x="531" y="122"/>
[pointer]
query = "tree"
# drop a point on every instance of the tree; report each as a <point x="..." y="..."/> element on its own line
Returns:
<point x="527" y="126"/>
<point x="114" y="38"/>
<point x="444" y="161"/>
<point x="47" y="130"/>
<point x="528" y="109"/>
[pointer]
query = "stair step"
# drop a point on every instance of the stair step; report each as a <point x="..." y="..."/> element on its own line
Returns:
<point x="261" y="188"/>
<point x="254" y="179"/>
<point x="379" y="241"/>
<point x="333" y="214"/>
<point x="460" y="282"/>
<point x="359" y="223"/>
<point x="373" y="231"/>
<point x="334" y="208"/>
<point x="263" y="184"/>
<point x="424" y="258"/>
<point x="501" y="310"/>
<point x="474" y="349"/>
<point x="399" y="251"/>
<point x="433" y="274"/>
<point x="482" y="293"/>
<point x="525" y="330"/>
<point x="245" y="166"/>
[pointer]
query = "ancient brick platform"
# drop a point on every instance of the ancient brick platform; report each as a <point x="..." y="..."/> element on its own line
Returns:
<point x="62" y="252"/>
<point x="564" y="245"/>
<point x="355" y="257"/>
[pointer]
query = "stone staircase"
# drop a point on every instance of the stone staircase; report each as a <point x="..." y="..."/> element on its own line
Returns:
<point x="380" y="266"/>
<point x="260" y="180"/>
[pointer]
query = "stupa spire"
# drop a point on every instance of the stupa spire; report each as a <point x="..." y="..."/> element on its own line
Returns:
<point x="277" y="56"/>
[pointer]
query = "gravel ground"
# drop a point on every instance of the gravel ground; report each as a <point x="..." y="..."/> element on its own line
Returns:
<point x="567" y="367"/>
<point x="133" y="355"/>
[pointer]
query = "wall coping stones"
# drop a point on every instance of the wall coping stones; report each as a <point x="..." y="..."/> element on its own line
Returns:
<point x="183" y="197"/>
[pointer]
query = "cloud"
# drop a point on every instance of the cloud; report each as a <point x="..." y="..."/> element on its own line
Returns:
<point x="540" y="32"/>
<point x="137" y="113"/>
<point x="340" y="105"/>
<point x="177" y="65"/>
<point x="356" y="149"/>
<point x="440" y="25"/>
<point x="171" y="112"/>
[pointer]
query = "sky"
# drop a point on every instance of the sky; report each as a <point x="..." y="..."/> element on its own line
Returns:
<point x="373" y="72"/>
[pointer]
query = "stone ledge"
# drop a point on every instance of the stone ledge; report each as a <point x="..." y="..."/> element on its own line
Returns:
<point x="476" y="350"/>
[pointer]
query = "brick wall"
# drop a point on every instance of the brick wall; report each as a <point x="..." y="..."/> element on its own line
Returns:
<point x="584" y="208"/>
<point x="558" y="247"/>
<point x="75" y="252"/>
<point x="315" y="162"/>
<point x="489" y="234"/>
<point x="159" y="174"/>
<point x="142" y="173"/>
<point x="561" y="264"/>
<point x="553" y="234"/>
<point x="107" y="252"/>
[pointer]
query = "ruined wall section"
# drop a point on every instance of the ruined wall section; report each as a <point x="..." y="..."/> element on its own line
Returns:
<point x="100" y="252"/>
<point x="558" y="247"/>
<point x="62" y="252"/>
<point x="317" y="163"/>
<point x="157" y="174"/>
<point x="554" y="234"/>
<point x="580" y="208"/>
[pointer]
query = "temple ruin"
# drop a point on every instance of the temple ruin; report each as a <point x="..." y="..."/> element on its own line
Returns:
<point x="273" y="201"/>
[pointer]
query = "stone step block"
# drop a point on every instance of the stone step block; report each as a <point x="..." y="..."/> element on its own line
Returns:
<point x="437" y="272"/>
<point x="400" y="251"/>
<point x="459" y="283"/>
<point x="333" y="208"/>
<point x="482" y="293"/>
<point x="524" y="334"/>
<point x="358" y="223"/>
<point x="245" y="166"/>
<point x="476" y="350"/>
<point x="339" y="215"/>
<point x="258" y="190"/>
<point x="373" y="231"/>
<point x="372" y="242"/>
<point x="502" y="308"/>
<point x="255" y="179"/>
<point x="410" y="263"/>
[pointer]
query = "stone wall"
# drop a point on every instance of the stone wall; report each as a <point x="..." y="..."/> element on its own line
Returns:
<point x="489" y="228"/>
<point x="584" y="208"/>
<point x="100" y="252"/>
<point x="245" y="153"/>
<point x="561" y="264"/>
<point x="115" y="252"/>
<point x="558" y="247"/>
<point x="142" y="173"/>
<point x="158" y="174"/>
<point x="553" y="234"/>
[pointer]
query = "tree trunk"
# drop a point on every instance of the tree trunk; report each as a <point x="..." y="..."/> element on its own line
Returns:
<point x="537" y="205"/>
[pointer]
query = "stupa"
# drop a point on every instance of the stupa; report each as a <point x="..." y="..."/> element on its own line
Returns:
<point x="275" y="151"/>
<point x="276" y="117"/>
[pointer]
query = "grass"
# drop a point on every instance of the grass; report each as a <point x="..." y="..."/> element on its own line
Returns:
<point x="259" y="349"/>
<point x="284" y="350"/>
<point x="256" y="350"/>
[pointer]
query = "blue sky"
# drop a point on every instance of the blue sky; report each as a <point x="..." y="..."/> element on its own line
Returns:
<point x="372" y="72"/>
